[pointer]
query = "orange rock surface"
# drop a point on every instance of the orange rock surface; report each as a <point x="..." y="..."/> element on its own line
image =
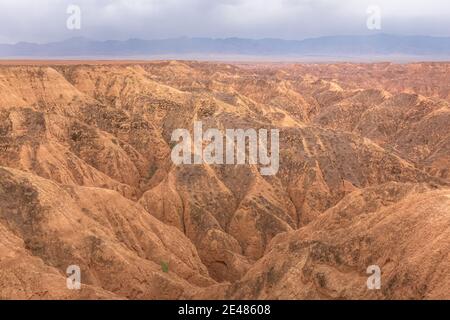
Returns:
<point x="86" y="179"/>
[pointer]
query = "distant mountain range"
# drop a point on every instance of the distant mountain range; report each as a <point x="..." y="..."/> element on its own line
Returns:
<point x="332" y="46"/>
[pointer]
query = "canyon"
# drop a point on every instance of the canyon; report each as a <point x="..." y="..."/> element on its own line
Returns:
<point x="86" y="179"/>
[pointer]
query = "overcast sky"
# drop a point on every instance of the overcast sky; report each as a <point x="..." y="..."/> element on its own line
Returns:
<point x="45" y="20"/>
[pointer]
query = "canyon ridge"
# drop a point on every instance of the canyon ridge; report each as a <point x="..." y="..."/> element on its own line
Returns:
<point x="86" y="179"/>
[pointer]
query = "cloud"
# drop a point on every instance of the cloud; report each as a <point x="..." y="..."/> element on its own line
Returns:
<point x="45" y="20"/>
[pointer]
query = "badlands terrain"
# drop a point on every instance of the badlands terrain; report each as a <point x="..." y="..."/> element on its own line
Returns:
<point x="86" y="179"/>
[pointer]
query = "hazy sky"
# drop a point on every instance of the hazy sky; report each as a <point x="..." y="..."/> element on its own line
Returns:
<point x="45" y="20"/>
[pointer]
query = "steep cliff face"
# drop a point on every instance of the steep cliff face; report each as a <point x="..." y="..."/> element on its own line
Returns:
<point x="86" y="179"/>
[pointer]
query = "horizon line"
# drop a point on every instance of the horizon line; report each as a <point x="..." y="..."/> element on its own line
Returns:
<point x="230" y="38"/>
